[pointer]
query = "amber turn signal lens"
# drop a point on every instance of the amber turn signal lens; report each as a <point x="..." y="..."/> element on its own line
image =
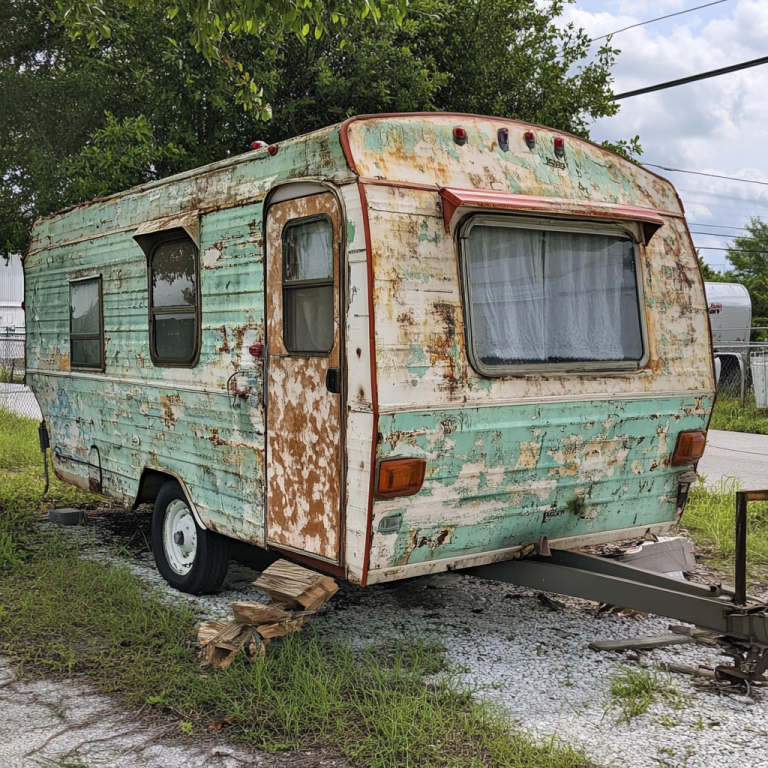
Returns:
<point x="689" y="448"/>
<point x="400" y="477"/>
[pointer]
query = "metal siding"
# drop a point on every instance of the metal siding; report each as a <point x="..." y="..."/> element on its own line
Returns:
<point x="140" y="415"/>
<point x="502" y="476"/>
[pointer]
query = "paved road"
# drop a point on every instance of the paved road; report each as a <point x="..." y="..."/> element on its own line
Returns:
<point x="736" y="454"/>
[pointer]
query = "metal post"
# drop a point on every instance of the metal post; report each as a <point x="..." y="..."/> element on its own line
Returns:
<point x="740" y="579"/>
<point x="743" y="366"/>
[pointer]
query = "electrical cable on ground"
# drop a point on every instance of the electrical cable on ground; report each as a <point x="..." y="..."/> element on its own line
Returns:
<point x="692" y="78"/>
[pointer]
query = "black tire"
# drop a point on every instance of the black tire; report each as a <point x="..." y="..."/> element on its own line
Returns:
<point x="209" y="561"/>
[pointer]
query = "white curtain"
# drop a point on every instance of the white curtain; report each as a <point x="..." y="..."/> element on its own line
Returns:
<point x="552" y="296"/>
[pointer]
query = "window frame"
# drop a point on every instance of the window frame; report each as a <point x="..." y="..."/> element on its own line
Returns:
<point x="87" y="336"/>
<point x="513" y="221"/>
<point x="173" y="236"/>
<point x="313" y="283"/>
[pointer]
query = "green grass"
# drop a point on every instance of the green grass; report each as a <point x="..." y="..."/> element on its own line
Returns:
<point x="383" y="707"/>
<point x="22" y="485"/>
<point x="634" y="690"/>
<point x="729" y="415"/>
<point x="710" y="516"/>
<point x="12" y="375"/>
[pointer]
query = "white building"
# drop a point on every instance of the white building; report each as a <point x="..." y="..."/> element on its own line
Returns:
<point x="11" y="295"/>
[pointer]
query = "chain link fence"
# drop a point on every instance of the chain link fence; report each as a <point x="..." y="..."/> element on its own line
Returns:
<point x="742" y="372"/>
<point x="14" y="396"/>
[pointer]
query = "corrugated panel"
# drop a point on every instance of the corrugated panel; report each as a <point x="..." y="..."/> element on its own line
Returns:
<point x="11" y="281"/>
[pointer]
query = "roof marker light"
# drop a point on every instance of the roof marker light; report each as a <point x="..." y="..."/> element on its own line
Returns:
<point x="503" y="137"/>
<point x="272" y="149"/>
<point x="460" y="135"/>
<point x="530" y="139"/>
<point x="559" y="146"/>
<point x="258" y="145"/>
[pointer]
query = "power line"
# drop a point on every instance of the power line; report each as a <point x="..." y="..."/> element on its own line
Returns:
<point x="711" y="175"/>
<point x="659" y="18"/>
<point x="692" y="78"/>
<point x="711" y="234"/>
<point x="719" y="226"/>
<point x="731" y="250"/>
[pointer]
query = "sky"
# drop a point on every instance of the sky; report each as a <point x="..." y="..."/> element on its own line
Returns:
<point x="718" y="125"/>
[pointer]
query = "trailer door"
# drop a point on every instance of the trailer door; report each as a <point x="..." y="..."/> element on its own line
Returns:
<point x="304" y="382"/>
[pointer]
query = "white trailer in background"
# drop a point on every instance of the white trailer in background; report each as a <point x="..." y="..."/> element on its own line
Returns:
<point x="730" y="313"/>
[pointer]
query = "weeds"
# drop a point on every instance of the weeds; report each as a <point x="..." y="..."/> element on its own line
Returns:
<point x="729" y="415"/>
<point x="634" y="690"/>
<point x="710" y="516"/>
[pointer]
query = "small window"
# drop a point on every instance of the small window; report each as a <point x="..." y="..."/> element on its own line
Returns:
<point x="308" y="286"/>
<point x="86" y="343"/>
<point x="540" y="297"/>
<point x="174" y="303"/>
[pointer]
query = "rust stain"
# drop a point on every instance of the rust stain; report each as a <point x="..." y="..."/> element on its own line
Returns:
<point x="168" y="404"/>
<point x="215" y="439"/>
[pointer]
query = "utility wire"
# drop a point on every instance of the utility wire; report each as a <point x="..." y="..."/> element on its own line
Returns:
<point x="712" y="234"/>
<point x="659" y="18"/>
<point x="692" y="78"/>
<point x="718" y="226"/>
<point x="711" y="175"/>
<point x="732" y="250"/>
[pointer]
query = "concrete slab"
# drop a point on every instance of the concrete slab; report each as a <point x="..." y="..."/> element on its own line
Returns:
<point x="736" y="454"/>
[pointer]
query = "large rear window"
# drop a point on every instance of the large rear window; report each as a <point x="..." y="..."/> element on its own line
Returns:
<point x="551" y="297"/>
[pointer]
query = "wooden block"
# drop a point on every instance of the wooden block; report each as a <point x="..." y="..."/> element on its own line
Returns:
<point x="640" y="643"/>
<point x="258" y="613"/>
<point x="268" y="631"/>
<point x="228" y="633"/>
<point x="221" y="655"/>
<point x="293" y="584"/>
<point x="208" y="630"/>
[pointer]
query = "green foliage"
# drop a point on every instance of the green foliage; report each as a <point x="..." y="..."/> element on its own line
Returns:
<point x="121" y="154"/>
<point x="80" y="120"/>
<point x="729" y="415"/>
<point x="21" y="488"/>
<point x="710" y="518"/>
<point x="634" y="690"/>
<point x="628" y="149"/>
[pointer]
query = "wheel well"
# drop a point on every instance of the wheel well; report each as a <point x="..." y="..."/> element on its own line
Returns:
<point x="152" y="480"/>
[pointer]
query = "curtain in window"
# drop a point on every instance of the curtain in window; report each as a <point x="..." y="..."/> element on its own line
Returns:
<point x="552" y="296"/>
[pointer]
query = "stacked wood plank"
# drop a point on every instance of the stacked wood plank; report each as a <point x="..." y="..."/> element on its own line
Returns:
<point x="294" y="594"/>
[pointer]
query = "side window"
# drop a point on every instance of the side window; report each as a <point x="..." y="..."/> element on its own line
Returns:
<point x="174" y="303"/>
<point x="86" y="338"/>
<point x="308" y="286"/>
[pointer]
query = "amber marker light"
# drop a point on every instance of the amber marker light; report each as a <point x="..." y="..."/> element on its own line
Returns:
<point x="689" y="448"/>
<point x="400" y="477"/>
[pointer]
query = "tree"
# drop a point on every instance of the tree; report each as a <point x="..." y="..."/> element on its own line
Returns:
<point x="83" y="121"/>
<point x="749" y="257"/>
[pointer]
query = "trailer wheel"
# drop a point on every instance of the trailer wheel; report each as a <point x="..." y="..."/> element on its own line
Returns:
<point x="188" y="557"/>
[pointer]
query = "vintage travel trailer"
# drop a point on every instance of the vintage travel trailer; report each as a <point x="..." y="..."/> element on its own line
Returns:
<point x="398" y="345"/>
<point x="730" y="313"/>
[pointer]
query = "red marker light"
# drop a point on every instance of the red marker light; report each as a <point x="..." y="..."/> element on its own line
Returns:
<point x="258" y="145"/>
<point x="559" y="146"/>
<point x="272" y="149"/>
<point x="256" y="350"/>
<point x="530" y="139"/>
<point x="460" y="135"/>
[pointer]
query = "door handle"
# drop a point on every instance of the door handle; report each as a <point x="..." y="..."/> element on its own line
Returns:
<point x="333" y="380"/>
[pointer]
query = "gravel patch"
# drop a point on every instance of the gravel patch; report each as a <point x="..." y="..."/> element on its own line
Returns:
<point x="512" y="649"/>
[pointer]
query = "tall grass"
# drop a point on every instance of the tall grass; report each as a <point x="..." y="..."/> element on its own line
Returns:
<point x="710" y="518"/>
<point x="729" y="415"/>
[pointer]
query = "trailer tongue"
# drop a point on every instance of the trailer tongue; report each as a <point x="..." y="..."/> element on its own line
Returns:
<point x="742" y="621"/>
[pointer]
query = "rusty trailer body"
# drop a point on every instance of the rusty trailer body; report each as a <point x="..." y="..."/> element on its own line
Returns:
<point x="389" y="348"/>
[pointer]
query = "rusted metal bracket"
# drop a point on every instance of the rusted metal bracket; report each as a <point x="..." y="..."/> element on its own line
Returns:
<point x="742" y="499"/>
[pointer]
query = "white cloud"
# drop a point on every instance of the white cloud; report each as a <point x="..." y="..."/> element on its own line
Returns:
<point x="718" y="126"/>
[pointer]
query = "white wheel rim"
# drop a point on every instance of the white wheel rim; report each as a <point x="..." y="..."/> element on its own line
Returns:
<point x="179" y="537"/>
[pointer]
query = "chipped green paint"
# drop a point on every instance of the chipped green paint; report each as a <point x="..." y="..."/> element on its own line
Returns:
<point x="350" y="232"/>
<point x="501" y="476"/>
